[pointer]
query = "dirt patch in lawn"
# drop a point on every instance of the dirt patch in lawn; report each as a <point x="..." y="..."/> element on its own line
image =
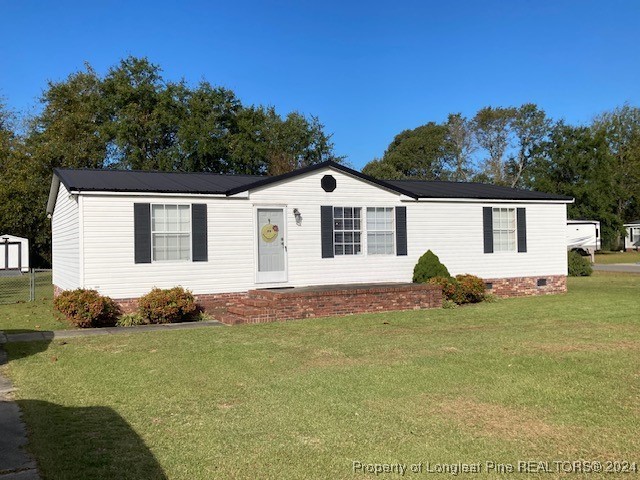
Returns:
<point x="506" y="423"/>
<point x="583" y="347"/>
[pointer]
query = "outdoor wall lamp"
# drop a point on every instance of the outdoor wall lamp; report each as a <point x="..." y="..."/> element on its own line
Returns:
<point x="298" y="215"/>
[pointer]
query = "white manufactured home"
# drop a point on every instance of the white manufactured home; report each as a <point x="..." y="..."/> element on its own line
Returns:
<point x="125" y="232"/>
<point x="632" y="238"/>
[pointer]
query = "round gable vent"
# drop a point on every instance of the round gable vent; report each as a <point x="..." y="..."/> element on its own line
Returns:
<point x="328" y="183"/>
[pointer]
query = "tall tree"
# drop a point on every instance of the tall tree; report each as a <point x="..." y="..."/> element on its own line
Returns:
<point x="144" y="114"/>
<point x="205" y="130"/>
<point x="531" y="127"/>
<point x="70" y="130"/>
<point x="492" y="127"/>
<point x="296" y="142"/>
<point x="621" y="128"/>
<point x="421" y="153"/>
<point x="461" y="142"/>
<point x="23" y="191"/>
<point x="577" y="161"/>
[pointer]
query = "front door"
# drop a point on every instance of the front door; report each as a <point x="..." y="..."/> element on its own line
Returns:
<point x="272" y="246"/>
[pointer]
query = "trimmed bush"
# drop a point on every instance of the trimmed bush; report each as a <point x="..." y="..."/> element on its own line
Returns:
<point x="462" y="289"/>
<point x="579" y="266"/>
<point x="449" y="286"/>
<point x="429" y="266"/>
<point x="130" y="320"/>
<point x="470" y="289"/>
<point x="171" y="305"/>
<point x="87" y="308"/>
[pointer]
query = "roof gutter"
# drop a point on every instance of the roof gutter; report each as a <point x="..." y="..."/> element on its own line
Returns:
<point x="111" y="193"/>
<point x="495" y="200"/>
<point x="53" y="194"/>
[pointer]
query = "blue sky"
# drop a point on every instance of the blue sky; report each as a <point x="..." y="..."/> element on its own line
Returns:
<point x="367" y="69"/>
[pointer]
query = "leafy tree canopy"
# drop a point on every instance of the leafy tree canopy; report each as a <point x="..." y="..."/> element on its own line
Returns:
<point x="133" y="118"/>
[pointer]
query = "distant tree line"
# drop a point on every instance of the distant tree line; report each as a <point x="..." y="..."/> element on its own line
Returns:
<point x="597" y="164"/>
<point x="133" y="118"/>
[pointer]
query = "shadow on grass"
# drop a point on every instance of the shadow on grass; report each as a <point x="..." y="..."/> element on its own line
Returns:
<point x="25" y="349"/>
<point x="86" y="442"/>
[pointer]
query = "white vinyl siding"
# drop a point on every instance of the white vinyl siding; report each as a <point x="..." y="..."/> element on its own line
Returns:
<point x="504" y="230"/>
<point x="171" y="232"/>
<point x="453" y="230"/>
<point x="347" y="230"/>
<point x="65" y="248"/>
<point x="380" y="231"/>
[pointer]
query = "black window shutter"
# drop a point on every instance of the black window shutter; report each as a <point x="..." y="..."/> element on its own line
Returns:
<point x="522" y="229"/>
<point x="487" y="225"/>
<point x="401" y="230"/>
<point x="326" y="228"/>
<point x="142" y="232"/>
<point x="199" y="248"/>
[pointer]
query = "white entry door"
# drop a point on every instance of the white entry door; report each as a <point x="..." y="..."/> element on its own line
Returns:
<point x="272" y="246"/>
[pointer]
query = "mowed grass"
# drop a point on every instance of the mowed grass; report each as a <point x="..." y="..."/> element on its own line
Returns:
<point x="17" y="314"/>
<point x="617" y="257"/>
<point x="546" y="378"/>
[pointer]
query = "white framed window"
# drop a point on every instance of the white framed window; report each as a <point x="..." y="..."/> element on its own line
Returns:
<point x="380" y="231"/>
<point x="504" y="229"/>
<point x="634" y="234"/>
<point x="347" y="230"/>
<point x="171" y="232"/>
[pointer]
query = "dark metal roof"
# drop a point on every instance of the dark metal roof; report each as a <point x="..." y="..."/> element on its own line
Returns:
<point x="159" y="182"/>
<point x="210" y="183"/>
<point x="483" y="191"/>
<point x="636" y="222"/>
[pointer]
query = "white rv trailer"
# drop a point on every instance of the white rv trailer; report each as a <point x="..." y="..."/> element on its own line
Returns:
<point x="583" y="236"/>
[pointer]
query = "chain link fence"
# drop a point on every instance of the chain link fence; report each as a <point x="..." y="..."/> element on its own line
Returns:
<point x="16" y="286"/>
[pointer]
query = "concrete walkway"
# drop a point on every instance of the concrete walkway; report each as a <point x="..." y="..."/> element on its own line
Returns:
<point x="15" y="462"/>
<point x="618" y="267"/>
<point x="88" y="332"/>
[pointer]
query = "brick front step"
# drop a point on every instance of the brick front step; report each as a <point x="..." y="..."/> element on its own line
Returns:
<point x="259" y="306"/>
<point x="256" y="302"/>
<point x="248" y="310"/>
<point x="231" y="319"/>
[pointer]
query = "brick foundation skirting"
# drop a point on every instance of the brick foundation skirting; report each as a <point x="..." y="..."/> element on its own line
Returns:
<point x="208" y="302"/>
<point x="257" y="306"/>
<point x="525" y="286"/>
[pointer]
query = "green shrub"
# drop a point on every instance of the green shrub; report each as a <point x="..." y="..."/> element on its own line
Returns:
<point x="429" y="266"/>
<point x="490" y="298"/>
<point x="167" y="306"/>
<point x="448" y="304"/>
<point x="579" y="266"/>
<point x="87" y="308"/>
<point x="471" y="289"/>
<point x="130" y="320"/>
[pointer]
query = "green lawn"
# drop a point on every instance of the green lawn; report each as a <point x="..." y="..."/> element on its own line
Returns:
<point x="21" y="315"/>
<point x="16" y="288"/>
<point x="617" y="257"/>
<point x="547" y="378"/>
